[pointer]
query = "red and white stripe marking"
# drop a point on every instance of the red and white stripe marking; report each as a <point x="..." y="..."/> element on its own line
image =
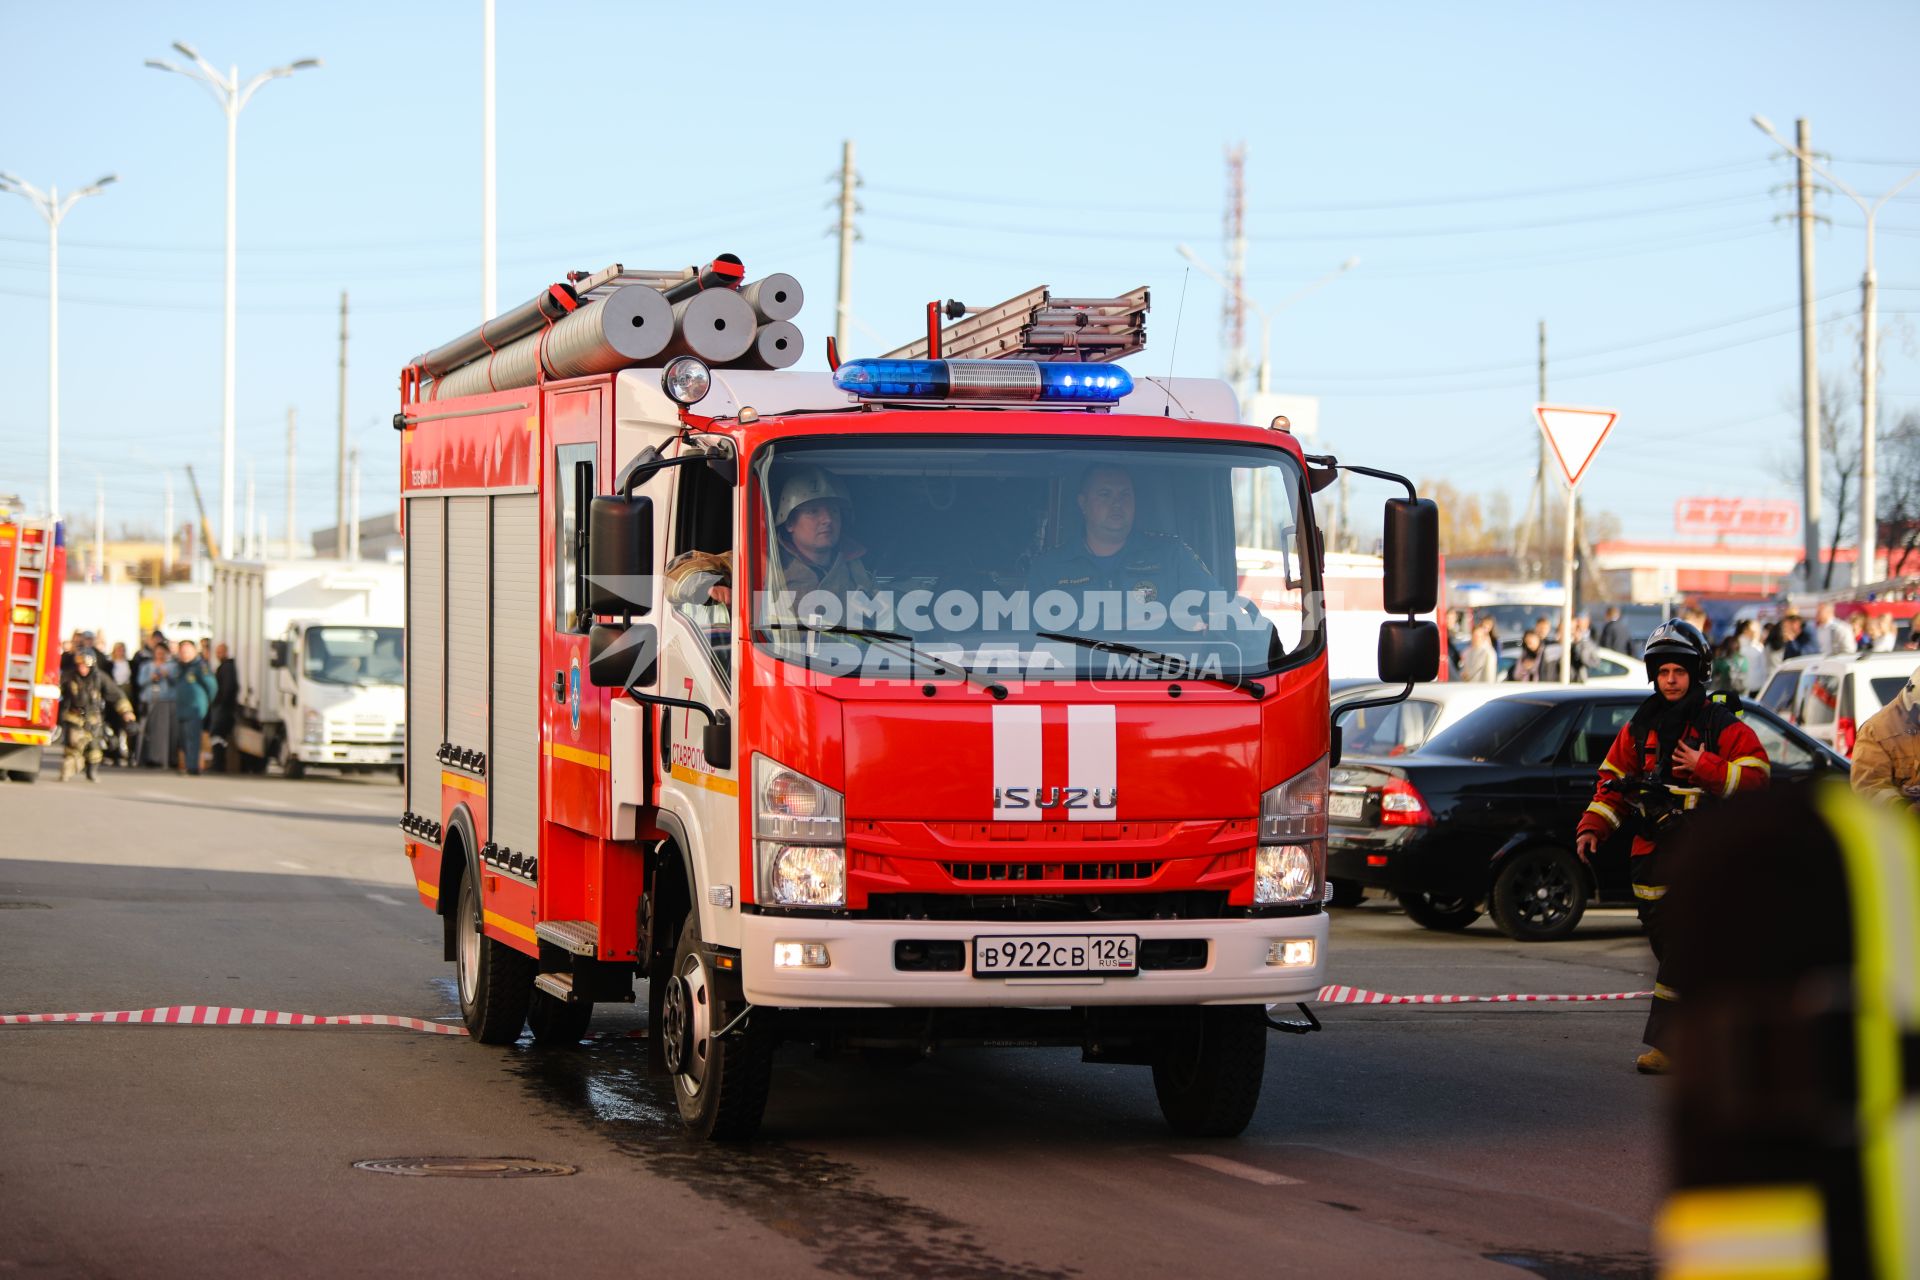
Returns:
<point x="1360" y="995"/>
<point x="206" y="1015"/>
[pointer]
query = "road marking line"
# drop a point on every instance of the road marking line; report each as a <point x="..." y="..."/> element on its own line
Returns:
<point x="1234" y="1169"/>
<point x="381" y="897"/>
<point x="296" y="866"/>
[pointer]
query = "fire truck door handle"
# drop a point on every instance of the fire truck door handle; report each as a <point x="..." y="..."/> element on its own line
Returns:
<point x="559" y="686"/>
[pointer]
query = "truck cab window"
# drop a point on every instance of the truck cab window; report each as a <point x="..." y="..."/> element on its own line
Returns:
<point x="700" y="572"/>
<point x="573" y="490"/>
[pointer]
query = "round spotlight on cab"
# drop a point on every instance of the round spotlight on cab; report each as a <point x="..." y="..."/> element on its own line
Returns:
<point x="686" y="380"/>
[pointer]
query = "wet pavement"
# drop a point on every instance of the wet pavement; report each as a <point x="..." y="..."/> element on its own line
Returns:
<point x="1468" y="1141"/>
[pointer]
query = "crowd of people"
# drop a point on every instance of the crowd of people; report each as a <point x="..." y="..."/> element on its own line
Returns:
<point x="1745" y="655"/>
<point x="165" y="706"/>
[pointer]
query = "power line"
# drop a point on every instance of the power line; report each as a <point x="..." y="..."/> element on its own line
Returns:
<point x="1078" y="206"/>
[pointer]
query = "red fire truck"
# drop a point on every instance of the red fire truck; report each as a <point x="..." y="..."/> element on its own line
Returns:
<point x="33" y="565"/>
<point x="909" y="705"/>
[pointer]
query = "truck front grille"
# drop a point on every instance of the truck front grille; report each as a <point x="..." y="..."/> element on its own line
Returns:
<point x="1065" y="872"/>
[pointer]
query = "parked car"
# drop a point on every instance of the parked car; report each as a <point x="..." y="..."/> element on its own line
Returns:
<point x="1610" y="666"/>
<point x="1402" y="729"/>
<point x="1787" y="686"/>
<point x="1845" y="690"/>
<point x="1481" y="818"/>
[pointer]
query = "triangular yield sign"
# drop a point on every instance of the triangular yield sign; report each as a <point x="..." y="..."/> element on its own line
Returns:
<point x="1575" y="434"/>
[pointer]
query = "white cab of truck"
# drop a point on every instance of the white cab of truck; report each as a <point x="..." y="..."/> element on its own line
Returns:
<point x="320" y="659"/>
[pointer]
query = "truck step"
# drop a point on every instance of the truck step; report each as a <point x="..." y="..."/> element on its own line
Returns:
<point x="581" y="937"/>
<point x="557" y="985"/>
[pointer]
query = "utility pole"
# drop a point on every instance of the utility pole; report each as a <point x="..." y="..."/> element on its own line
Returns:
<point x="353" y="510"/>
<point x="1541" y="480"/>
<point x="1809" y="364"/>
<point x="248" y="540"/>
<point x="340" y="474"/>
<point x="843" y="309"/>
<point x="1233" y="241"/>
<point x="288" y="549"/>
<point x="99" y="530"/>
<point x="166" y="544"/>
<point x="488" y="224"/>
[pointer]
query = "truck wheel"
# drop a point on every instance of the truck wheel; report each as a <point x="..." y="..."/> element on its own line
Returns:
<point x="495" y="980"/>
<point x="1347" y="893"/>
<point x="295" y="769"/>
<point x="1539" y="895"/>
<point x="23" y="775"/>
<point x="558" y="1022"/>
<point x="1207" y="1075"/>
<point x="1443" y="915"/>
<point x="720" y="1085"/>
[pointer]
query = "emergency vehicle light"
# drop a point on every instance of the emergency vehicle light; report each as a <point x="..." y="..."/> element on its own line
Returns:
<point x="1031" y="380"/>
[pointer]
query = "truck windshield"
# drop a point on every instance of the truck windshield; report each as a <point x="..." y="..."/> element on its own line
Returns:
<point x="1034" y="558"/>
<point x="355" y="655"/>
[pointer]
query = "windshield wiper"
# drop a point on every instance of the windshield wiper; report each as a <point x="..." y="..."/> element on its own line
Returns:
<point x="872" y="634"/>
<point x="1186" y="670"/>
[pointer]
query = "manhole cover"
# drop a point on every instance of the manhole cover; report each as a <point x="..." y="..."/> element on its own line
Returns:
<point x="466" y="1167"/>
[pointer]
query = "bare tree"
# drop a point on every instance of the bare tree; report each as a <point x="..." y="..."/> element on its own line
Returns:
<point x="1839" y="467"/>
<point x="1900" y="490"/>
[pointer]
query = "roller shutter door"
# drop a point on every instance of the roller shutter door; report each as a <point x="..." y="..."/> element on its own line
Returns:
<point x="426" y="657"/>
<point x="467" y="623"/>
<point x="514" y="755"/>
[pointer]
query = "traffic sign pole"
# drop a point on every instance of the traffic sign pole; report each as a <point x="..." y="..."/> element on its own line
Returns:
<point x="1575" y="434"/>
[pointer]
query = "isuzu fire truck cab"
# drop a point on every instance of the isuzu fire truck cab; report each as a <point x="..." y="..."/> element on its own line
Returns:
<point x="909" y="706"/>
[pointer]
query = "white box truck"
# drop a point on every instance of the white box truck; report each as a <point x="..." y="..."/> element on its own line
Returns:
<point x="319" y="652"/>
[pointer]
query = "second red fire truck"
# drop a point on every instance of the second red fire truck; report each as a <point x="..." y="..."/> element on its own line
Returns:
<point x="33" y="566"/>
<point x="906" y="705"/>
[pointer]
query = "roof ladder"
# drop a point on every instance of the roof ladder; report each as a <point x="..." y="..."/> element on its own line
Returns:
<point x="26" y="615"/>
<point x="1035" y="325"/>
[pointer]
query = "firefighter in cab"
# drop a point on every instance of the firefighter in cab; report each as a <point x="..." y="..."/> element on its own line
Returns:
<point x="1795" y="1112"/>
<point x="1680" y="751"/>
<point x="85" y="694"/>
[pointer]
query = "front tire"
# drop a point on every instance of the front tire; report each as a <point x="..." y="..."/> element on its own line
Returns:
<point x="1539" y="895"/>
<point x="720" y="1085"/>
<point x="1442" y="915"/>
<point x="496" y="982"/>
<point x="1207" y="1075"/>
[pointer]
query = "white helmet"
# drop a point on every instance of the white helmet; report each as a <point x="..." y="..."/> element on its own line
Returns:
<point x="804" y="484"/>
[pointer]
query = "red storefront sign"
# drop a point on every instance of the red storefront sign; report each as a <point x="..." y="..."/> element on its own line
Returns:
<point x="1759" y="517"/>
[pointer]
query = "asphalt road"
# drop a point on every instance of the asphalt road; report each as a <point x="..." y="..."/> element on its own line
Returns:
<point x="1437" y="1141"/>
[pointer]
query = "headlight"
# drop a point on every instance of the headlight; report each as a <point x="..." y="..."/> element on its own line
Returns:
<point x="804" y="875"/>
<point x="313" y="727"/>
<point x="799" y="828"/>
<point x="1290" y="863"/>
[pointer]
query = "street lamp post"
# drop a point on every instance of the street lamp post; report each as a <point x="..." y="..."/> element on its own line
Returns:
<point x="53" y="207"/>
<point x="1869" y="343"/>
<point x="1264" y="378"/>
<point x="231" y="95"/>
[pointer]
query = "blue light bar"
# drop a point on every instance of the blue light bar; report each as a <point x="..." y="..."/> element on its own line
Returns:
<point x="1056" y="382"/>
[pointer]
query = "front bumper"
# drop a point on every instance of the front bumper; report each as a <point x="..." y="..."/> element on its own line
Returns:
<point x="347" y="754"/>
<point x="861" y="972"/>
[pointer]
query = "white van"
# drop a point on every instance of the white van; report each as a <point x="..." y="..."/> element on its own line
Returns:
<point x="1844" y="691"/>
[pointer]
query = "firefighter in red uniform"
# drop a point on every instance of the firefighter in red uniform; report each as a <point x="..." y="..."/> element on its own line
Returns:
<point x="1679" y="752"/>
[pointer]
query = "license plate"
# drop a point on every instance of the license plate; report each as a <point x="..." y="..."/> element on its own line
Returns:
<point x="368" y="755"/>
<point x="1347" y="806"/>
<point x="1054" y="955"/>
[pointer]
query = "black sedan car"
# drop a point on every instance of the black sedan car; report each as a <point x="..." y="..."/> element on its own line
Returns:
<point x="1481" y="818"/>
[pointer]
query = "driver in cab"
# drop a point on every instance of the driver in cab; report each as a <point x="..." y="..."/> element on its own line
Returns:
<point x="814" y="552"/>
<point x="1114" y="559"/>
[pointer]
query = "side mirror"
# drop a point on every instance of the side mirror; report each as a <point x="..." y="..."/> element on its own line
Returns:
<point x="623" y="655"/>
<point x="620" y="557"/>
<point x="279" y="653"/>
<point x="1409" y="651"/>
<point x="1412" y="557"/>
<point x="716" y="741"/>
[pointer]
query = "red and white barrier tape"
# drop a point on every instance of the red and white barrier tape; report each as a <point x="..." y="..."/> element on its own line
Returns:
<point x="203" y="1015"/>
<point x="198" y="1015"/>
<point x="1360" y="995"/>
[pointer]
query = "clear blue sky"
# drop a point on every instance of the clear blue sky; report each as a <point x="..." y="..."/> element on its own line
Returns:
<point x="1491" y="164"/>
